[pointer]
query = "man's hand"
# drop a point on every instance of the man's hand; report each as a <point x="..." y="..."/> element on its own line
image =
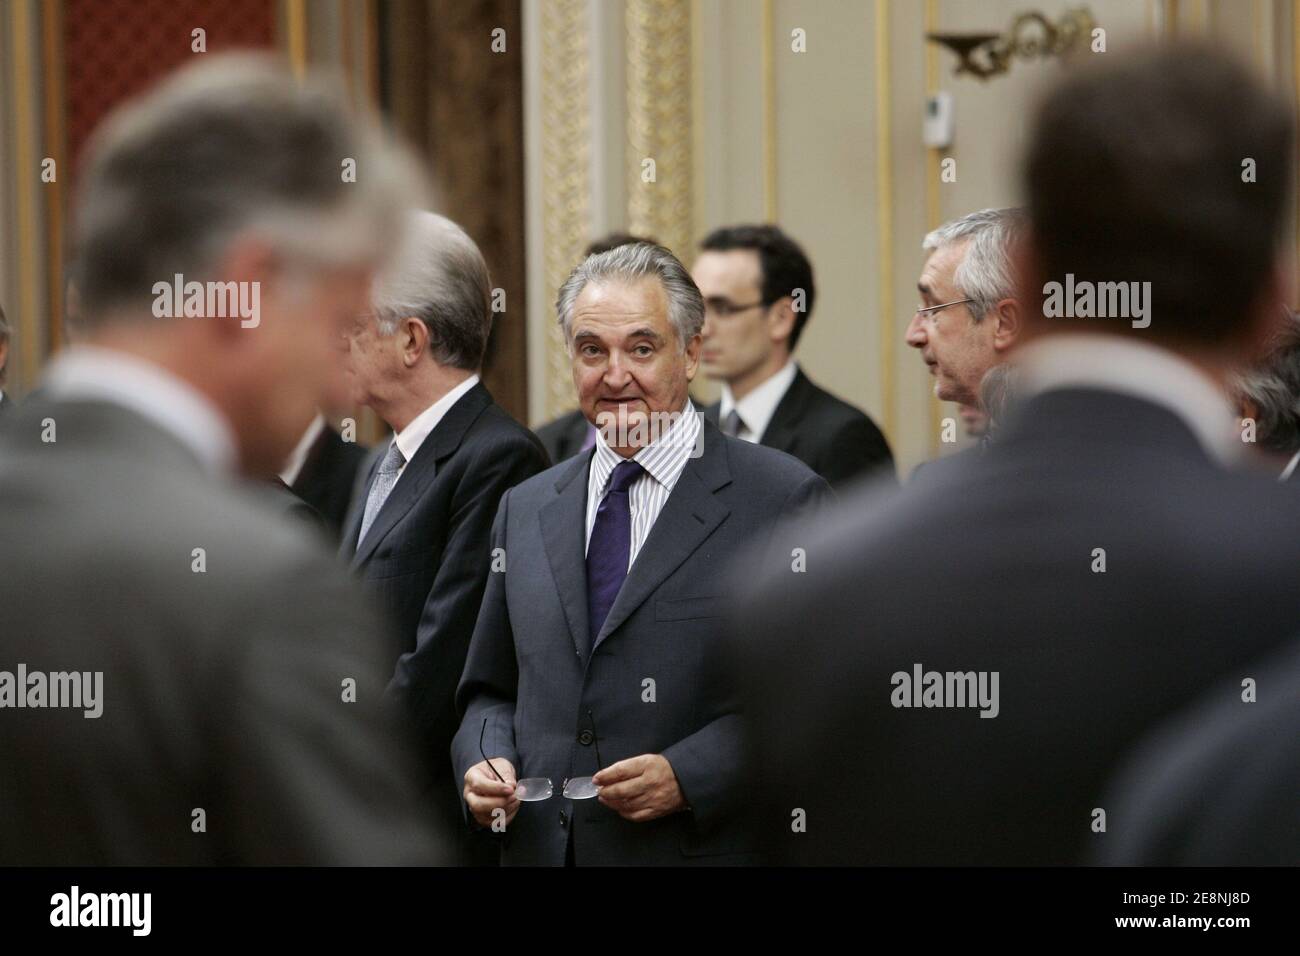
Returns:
<point x="640" y="788"/>
<point x="485" y="793"/>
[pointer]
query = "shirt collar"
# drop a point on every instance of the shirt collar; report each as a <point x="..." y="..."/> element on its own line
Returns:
<point x="410" y="438"/>
<point x="108" y="375"/>
<point x="1145" y="371"/>
<point x="663" y="459"/>
<point x="758" y="406"/>
<point x="293" y="467"/>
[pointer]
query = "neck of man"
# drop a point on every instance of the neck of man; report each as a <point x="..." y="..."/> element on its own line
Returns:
<point x="746" y="382"/>
<point x="424" y="387"/>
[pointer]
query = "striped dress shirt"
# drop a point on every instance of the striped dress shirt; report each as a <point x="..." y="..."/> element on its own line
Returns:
<point x="663" y="461"/>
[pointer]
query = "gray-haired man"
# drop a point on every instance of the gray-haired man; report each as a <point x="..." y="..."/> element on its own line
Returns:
<point x="597" y="660"/>
<point x="226" y="661"/>
<point x="969" y="317"/>
<point x="420" y="526"/>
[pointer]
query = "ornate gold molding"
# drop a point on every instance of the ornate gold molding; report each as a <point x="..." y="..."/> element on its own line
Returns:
<point x="566" y="175"/>
<point x="659" y="122"/>
<point x="885" y="217"/>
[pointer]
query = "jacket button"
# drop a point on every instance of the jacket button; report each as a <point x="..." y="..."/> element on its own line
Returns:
<point x="564" y="819"/>
<point x="585" y="738"/>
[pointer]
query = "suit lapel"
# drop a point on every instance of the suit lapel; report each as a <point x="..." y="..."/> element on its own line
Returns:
<point x="782" y="430"/>
<point x="689" y="516"/>
<point x="420" y="470"/>
<point x="564" y="535"/>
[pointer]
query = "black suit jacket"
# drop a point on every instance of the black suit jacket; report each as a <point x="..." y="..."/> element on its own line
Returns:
<point x="427" y="558"/>
<point x="1219" y="785"/>
<point x="988" y="566"/>
<point x="827" y="434"/>
<point x="328" y="477"/>
<point x="564" y="437"/>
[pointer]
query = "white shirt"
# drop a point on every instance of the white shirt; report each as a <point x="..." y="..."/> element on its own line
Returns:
<point x="108" y="375"/>
<point x="410" y="438"/>
<point x="299" y="456"/>
<point x="757" y="408"/>
<point x="663" y="461"/>
<point x="1135" y="368"/>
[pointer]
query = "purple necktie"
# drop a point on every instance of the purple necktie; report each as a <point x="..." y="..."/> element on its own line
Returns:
<point x="610" y="547"/>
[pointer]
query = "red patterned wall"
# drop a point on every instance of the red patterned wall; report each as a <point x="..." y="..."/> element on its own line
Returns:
<point x="115" y="48"/>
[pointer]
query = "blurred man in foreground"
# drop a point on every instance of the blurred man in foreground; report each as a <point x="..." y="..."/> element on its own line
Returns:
<point x="935" y="715"/>
<point x="199" y="683"/>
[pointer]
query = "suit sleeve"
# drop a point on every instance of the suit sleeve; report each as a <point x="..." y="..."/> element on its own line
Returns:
<point x="490" y="682"/>
<point x="426" y="677"/>
<point x="711" y="764"/>
<point x="856" y="449"/>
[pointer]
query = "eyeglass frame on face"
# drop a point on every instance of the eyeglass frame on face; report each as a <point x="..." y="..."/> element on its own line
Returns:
<point x="711" y="304"/>
<point x="545" y="783"/>
<point x="927" y="310"/>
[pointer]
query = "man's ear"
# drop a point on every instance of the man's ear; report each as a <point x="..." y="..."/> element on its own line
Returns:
<point x="1270" y="312"/>
<point x="781" y="318"/>
<point x="693" y="356"/>
<point x="414" y="340"/>
<point x="1010" y="322"/>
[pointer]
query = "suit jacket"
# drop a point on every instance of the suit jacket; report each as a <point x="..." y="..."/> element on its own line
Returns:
<point x="7" y="404"/>
<point x="328" y="476"/>
<point x="223" y="684"/>
<point x="988" y="566"/>
<point x="531" y="677"/>
<point x="1218" y="784"/>
<point x="564" y="437"/>
<point x="426" y="559"/>
<point x="827" y="434"/>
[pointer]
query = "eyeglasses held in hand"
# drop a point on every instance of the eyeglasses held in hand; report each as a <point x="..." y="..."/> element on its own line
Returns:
<point x="534" y="789"/>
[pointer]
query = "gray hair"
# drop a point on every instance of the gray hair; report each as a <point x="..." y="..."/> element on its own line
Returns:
<point x="984" y="274"/>
<point x="439" y="277"/>
<point x="231" y="146"/>
<point x="1273" y="387"/>
<point x="630" y="262"/>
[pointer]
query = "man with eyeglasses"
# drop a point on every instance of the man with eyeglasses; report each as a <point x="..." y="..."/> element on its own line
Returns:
<point x="758" y="295"/>
<point x="968" y="319"/>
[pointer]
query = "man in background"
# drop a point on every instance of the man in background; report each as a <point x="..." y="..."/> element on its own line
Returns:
<point x="419" y="534"/>
<point x="217" y="675"/>
<point x="933" y="717"/>
<point x="758" y="297"/>
<point x="969" y="318"/>
<point x="1268" y="395"/>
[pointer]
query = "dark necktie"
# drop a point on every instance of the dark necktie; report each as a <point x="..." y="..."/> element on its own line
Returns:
<point x="610" y="547"/>
<point x="732" y="424"/>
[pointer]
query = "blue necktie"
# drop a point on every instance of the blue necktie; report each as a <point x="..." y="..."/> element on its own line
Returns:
<point x="610" y="547"/>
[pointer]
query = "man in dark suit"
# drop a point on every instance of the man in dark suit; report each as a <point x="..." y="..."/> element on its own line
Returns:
<point x="991" y="641"/>
<point x="218" y="697"/>
<point x="419" y="531"/>
<point x="596" y="658"/>
<point x="758" y="296"/>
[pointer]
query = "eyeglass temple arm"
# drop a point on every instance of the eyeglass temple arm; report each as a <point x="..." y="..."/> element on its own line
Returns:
<point x="486" y="759"/>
